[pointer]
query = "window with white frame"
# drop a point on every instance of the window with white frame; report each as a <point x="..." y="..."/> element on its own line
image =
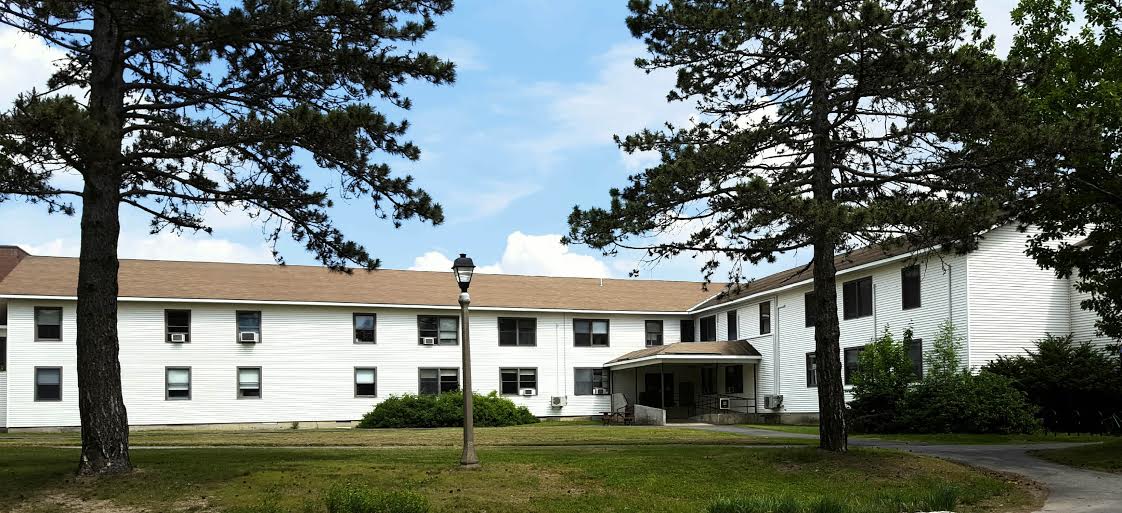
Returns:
<point x="249" y="382"/>
<point x="437" y="381"/>
<point x="588" y="380"/>
<point x="366" y="382"/>
<point x="438" y="330"/>
<point x="514" y="381"/>
<point x="177" y="383"/>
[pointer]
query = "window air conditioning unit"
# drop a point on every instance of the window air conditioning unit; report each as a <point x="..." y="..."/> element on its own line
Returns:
<point x="179" y="338"/>
<point x="558" y="401"/>
<point x="724" y="403"/>
<point x="428" y="341"/>
<point x="773" y="402"/>
<point x="527" y="392"/>
<point x="599" y="391"/>
<point x="248" y="337"/>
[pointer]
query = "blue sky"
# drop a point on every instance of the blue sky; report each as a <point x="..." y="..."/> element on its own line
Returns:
<point x="523" y="135"/>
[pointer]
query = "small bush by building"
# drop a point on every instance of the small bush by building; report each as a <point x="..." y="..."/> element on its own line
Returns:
<point x="445" y="410"/>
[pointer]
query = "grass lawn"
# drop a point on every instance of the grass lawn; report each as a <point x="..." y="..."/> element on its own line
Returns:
<point x="1106" y="457"/>
<point x="523" y="479"/>
<point x="952" y="438"/>
<point x="546" y="433"/>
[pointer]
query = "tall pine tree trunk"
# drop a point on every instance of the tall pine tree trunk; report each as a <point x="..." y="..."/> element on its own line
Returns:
<point x="831" y="399"/>
<point x="105" y="426"/>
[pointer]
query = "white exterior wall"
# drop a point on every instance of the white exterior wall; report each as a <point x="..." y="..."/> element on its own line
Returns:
<point x="1013" y="302"/>
<point x="3" y="399"/>
<point x="1083" y="321"/>
<point x="307" y="358"/>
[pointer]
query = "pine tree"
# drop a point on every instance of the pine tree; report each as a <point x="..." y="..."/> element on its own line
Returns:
<point x="827" y="124"/>
<point x="185" y="105"/>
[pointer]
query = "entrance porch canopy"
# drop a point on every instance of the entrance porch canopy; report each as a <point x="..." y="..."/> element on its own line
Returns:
<point x="732" y="351"/>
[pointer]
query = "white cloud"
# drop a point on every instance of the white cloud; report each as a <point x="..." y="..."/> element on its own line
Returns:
<point x="27" y="63"/>
<point x="540" y="255"/>
<point x="466" y="54"/>
<point x="165" y="246"/>
<point x="494" y="197"/>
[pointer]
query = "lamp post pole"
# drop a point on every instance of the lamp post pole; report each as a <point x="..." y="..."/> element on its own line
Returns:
<point x="463" y="268"/>
<point x="468" y="459"/>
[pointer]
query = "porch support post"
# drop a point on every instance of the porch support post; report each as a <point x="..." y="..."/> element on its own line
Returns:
<point x="662" y="384"/>
<point x="635" y="383"/>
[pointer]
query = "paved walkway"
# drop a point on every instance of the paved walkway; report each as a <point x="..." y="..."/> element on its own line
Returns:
<point x="1070" y="490"/>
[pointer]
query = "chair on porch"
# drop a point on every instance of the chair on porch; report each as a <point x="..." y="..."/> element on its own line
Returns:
<point x="622" y="415"/>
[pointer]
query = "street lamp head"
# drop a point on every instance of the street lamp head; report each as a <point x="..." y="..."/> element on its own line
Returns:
<point x="462" y="270"/>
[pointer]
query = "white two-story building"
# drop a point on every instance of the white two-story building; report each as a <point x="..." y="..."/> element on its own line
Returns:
<point x="218" y="343"/>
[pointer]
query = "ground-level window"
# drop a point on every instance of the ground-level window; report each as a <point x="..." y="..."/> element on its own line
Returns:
<point x="910" y="287"/>
<point x="438" y="381"/>
<point x="48" y="383"/>
<point x="733" y="329"/>
<point x="765" y="317"/>
<point x="48" y="323"/>
<point x="366" y="382"/>
<point x="177" y="326"/>
<point x="177" y="383"/>
<point x="654" y="333"/>
<point x="249" y="326"/>
<point x="709" y="380"/>
<point x="686" y="330"/>
<point x="852" y="363"/>
<point x="438" y="330"/>
<point x="518" y="331"/>
<point x="709" y="328"/>
<point x="857" y="298"/>
<point x="734" y="379"/>
<point x="365" y="326"/>
<point x="249" y="382"/>
<point x="590" y="380"/>
<point x="514" y="381"/>
<point x="3" y="354"/>
<point x="590" y="332"/>
<point x="811" y="369"/>
<point x="914" y="347"/>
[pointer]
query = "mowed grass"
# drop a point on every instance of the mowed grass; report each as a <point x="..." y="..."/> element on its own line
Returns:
<point x="546" y="433"/>
<point x="951" y="438"/>
<point x="523" y="479"/>
<point x="1106" y="457"/>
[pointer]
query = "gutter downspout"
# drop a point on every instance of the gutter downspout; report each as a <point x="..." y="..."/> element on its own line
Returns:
<point x="775" y="349"/>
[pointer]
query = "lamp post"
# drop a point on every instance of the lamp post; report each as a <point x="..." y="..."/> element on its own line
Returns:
<point x="462" y="269"/>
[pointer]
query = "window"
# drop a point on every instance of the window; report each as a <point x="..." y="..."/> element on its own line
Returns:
<point x="852" y="363"/>
<point x="654" y="333"/>
<point x="765" y="317"/>
<point x="909" y="286"/>
<point x="588" y="379"/>
<point x="810" y="309"/>
<point x="734" y="379"/>
<point x="443" y="331"/>
<point x="177" y="322"/>
<point x="48" y="383"/>
<point x="687" y="330"/>
<point x="249" y="322"/>
<point x="709" y="380"/>
<point x="366" y="382"/>
<point x="590" y="332"/>
<point x="3" y="354"/>
<point x="733" y="329"/>
<point x="177" y="383"/>
<point x="811" y="369"/>
<point x="249" y="382"/>
<point x="364" y="325"/>
<point x="438" y="381"/>
<point x="709" y="328"/>
<point x="48" y="323"/>
<point x="857" y="298"/>
<point x="512" y="381"/>
<point x="914" y="347"/>
<point x="514" y="331"/>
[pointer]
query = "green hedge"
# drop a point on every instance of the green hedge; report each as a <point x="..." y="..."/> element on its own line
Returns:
<point x="445" y="410"/>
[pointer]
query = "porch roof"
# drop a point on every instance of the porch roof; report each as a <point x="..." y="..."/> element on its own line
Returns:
<point x="688" y="352"/>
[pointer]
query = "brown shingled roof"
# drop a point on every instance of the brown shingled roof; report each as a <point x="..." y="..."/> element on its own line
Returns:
<point x="58" y="276"/>
<point x="723" y="348"/>
<point x="844" y="261"/>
